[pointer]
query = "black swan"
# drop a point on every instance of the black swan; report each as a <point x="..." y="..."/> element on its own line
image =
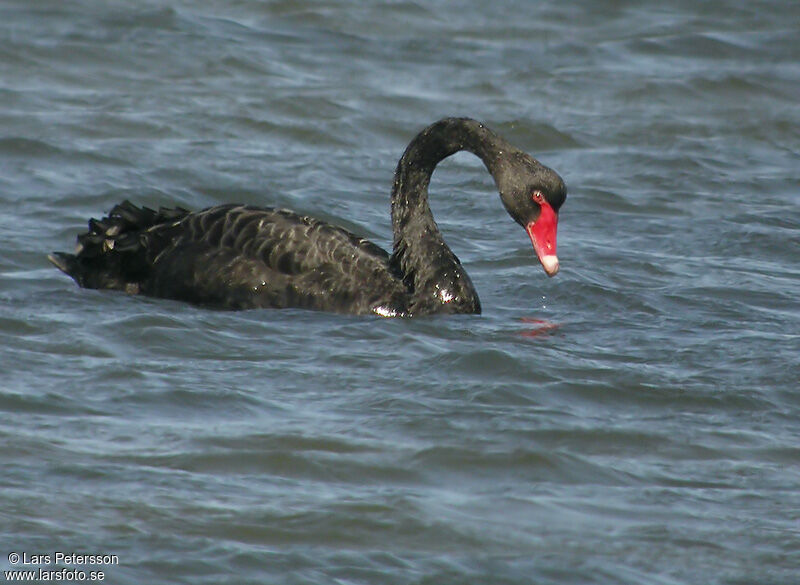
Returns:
<point x="239" y="256"/>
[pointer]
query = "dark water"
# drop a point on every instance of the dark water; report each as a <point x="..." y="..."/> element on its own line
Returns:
<point x="632" y="421"/>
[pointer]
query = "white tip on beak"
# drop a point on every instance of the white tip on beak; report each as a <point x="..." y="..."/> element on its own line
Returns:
<point x="550" y="264"/>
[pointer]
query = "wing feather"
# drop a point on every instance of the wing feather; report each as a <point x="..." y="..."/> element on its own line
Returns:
<point x="247" y="256"/>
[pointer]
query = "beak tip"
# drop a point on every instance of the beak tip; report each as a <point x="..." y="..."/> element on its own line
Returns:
<point x="550" y="264"/>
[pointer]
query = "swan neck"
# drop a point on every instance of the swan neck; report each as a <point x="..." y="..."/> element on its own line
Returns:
<point x="410" y="207"/>
<point x="420" y="257"/>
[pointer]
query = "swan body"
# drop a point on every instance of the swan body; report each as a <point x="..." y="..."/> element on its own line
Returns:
<point x="241" y="257"/>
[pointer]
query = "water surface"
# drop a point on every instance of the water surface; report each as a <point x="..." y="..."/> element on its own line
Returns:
<point x="632" y="421"/>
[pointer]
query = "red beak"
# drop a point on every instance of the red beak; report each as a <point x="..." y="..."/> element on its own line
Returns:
<point x="543" y="237"/>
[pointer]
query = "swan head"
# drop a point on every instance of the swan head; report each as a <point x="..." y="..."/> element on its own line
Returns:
<point x="532" y="194"/>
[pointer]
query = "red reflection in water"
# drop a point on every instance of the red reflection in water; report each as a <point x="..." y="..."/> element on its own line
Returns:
<point x="539" y="327"/>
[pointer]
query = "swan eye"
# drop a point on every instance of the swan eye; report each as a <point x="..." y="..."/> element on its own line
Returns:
<point x="537" y="196"/>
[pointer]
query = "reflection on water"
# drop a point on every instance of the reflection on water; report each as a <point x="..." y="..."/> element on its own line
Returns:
<point x="537" y="327"/>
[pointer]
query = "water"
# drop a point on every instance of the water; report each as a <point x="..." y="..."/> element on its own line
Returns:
<point x="632" y="421"/>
